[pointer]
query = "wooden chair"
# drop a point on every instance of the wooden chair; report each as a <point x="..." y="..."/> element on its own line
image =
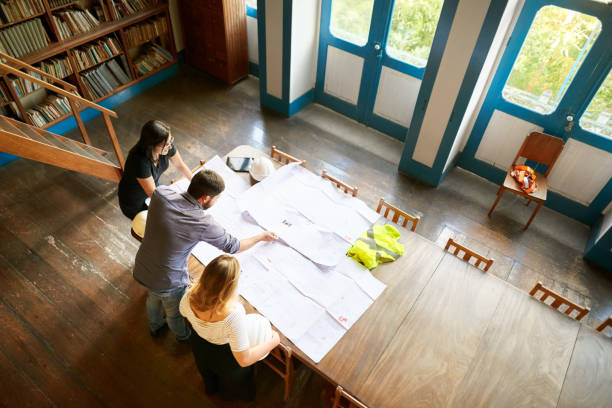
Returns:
<point x="397" y="213"/>
<point x="281" y="362"/>
<point x="342" y="186"/>
<point x="468" y="254"/>
<point x="285" y="158"/>
<point x="606" y="323"/>
<point x="343" y="399"/>
<point x="559" y="301"/>
<point x="541" y="148"/>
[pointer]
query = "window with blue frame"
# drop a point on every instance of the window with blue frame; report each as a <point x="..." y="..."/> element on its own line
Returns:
<point x="598" y="116"/>
<point x="557" y="43"/>
<point x="412" y="31"/>
<point x="350" y="20"/>
<point x="251" y="7"/>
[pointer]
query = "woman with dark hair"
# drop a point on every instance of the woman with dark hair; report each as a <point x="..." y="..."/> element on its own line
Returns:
<point x="145" y="163"/>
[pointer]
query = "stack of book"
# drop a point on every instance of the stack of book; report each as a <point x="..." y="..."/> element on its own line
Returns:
<point x="94" y="53"/>
<point x="52" y="108"/>
<point x="72" y="22"/>
<point x="143" y="32"/>
<point x="100" y="10"/>
<point x="59" y="67"/>
<point x="122" y="8"/>
<point x="152" y="58"/>
<point x="15" y="10"/>
<point x="3" y="97"/>
<point x="23" y="38"/>
<point x="58" y="3"/>
<point x="105" y="78"/>
<point x="24" y="86"/>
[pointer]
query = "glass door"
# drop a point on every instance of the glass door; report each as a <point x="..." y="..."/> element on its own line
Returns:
<point x="555" y="75"/>
<point x="372" y="56"/>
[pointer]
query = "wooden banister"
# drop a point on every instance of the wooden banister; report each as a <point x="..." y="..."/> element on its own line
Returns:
<point x="55" y="89"/>
<point x="113" y="138"/>
<point x="559" y="301"/>
<point x="22" y="64"/>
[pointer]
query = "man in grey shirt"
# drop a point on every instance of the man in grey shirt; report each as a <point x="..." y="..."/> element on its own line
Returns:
<point x="176" y="222"/>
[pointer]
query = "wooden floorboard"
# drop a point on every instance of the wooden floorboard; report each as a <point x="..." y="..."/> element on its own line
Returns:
<point x="75" y="327"/>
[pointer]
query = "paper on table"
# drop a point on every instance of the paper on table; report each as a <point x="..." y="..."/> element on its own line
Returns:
<point x="350" y="306"/>
<point x="205" y="252"/>
<point x="226" y="212"/>
<point x="324" y="287"/>
<point x="320" y="338"/>
<point x="362" y="276"/>
<point x="321" y="246"/>
<point x="291" y="312"/>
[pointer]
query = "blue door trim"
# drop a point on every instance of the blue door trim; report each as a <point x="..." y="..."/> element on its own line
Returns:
<point x="598" y="251"/>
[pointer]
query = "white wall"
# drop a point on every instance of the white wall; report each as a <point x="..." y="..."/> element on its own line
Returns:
<point x="606" y="224"/>
<point x="274" y="48"/>
<point x="506" y="25"/>
<point x="462" y="38"/>
<point x="253" y="45"/>
<point x="305" y="18"/>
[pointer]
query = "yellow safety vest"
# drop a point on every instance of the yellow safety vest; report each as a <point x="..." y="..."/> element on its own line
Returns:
<point x="376" y="245"/>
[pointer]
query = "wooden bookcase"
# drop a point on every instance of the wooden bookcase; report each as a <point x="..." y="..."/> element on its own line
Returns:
<point x="215" y="37"/>
<point x="17" y="105"/>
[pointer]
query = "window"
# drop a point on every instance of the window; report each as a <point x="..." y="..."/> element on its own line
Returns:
<point x="350" y="20"/>
<point x="555" y="47"/>
<point x="251" y="3"/>
<point x="598" y="116"/>
<point x="413" y="27"/>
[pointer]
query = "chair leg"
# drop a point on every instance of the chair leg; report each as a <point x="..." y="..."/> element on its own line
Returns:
<point x="500" y="193"/>
<point x="534" y="214"/>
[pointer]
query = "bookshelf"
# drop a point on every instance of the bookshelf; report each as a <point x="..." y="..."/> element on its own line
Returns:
<point x="100" y="47"/>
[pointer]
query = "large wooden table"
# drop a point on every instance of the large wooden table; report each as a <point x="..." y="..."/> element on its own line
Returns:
<point x="444" y="333"/>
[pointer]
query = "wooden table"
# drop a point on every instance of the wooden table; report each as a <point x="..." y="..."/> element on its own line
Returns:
<point x="444" y="333"/>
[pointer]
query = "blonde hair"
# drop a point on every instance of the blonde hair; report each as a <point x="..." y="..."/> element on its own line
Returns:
<point x="216" y="285"/>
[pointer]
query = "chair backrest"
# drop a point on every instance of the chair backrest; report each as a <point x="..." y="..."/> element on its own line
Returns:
<point x="606" y="323"/>
<point x="468" y="254"/>
<point x="342" y="186"/>
<point x="343" y="399"/>
<point x="285" y="158"/>
<point x="559" y="301"/>
<point x="281" y="362"/>
<point x="396" y="213"/>
<point x="541" y="148"/>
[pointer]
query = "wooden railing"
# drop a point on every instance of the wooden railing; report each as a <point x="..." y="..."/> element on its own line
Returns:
<point x="77" y="103"/>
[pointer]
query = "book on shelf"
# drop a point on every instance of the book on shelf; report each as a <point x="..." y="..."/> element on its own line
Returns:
<point x="143" y="32"/>
<point x="152" y="57"/>
<point x="52" y="108"/>
<point x="58" y="3"/>
<point x="96" y="52"/>
<point x="12" y="11"/>
<point x="105" y="78"/>
<point x="70" y="22"/>
<point x="59" y="67"/>
<point x="3" y="95"/>
<point x="24" y="38"/>
<point x="122" y="8"/>
<point x="24" y="86"/>
<point x="101" y="12"/>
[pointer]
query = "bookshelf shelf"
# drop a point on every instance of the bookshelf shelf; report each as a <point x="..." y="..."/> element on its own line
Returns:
<point x="81" y="78"/>
<point x="100" y="62"/>
<point x="22" y="20"/>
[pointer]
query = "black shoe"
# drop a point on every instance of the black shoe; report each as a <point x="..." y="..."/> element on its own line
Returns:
<point x="157" y="332"/>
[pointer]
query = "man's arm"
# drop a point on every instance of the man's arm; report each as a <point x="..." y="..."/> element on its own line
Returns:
<point x="249" y="242"/>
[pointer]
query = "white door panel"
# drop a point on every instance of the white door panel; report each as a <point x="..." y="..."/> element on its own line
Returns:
<point x="343" y="74"/>
<point x="396" y="96"/>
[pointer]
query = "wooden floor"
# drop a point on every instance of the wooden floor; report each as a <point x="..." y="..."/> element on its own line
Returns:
<point x="75" y="333"/>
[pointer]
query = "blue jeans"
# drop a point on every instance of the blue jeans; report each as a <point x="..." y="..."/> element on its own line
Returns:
<point x="169" y="300"/>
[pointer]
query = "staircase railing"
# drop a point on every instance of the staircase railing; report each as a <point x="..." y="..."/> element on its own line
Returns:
<point x="77" y="103"/>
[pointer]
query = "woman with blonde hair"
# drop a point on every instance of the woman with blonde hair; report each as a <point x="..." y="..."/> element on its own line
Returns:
<point x="228" y="340"/>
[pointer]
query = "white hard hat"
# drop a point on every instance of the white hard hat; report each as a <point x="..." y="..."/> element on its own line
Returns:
<point x="261" y="168"/>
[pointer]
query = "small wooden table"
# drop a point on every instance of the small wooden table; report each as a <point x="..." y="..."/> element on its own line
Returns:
<point x="444" y="333"/>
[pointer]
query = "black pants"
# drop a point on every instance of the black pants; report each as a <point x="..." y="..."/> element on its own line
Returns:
<point x="221" y="372"/>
